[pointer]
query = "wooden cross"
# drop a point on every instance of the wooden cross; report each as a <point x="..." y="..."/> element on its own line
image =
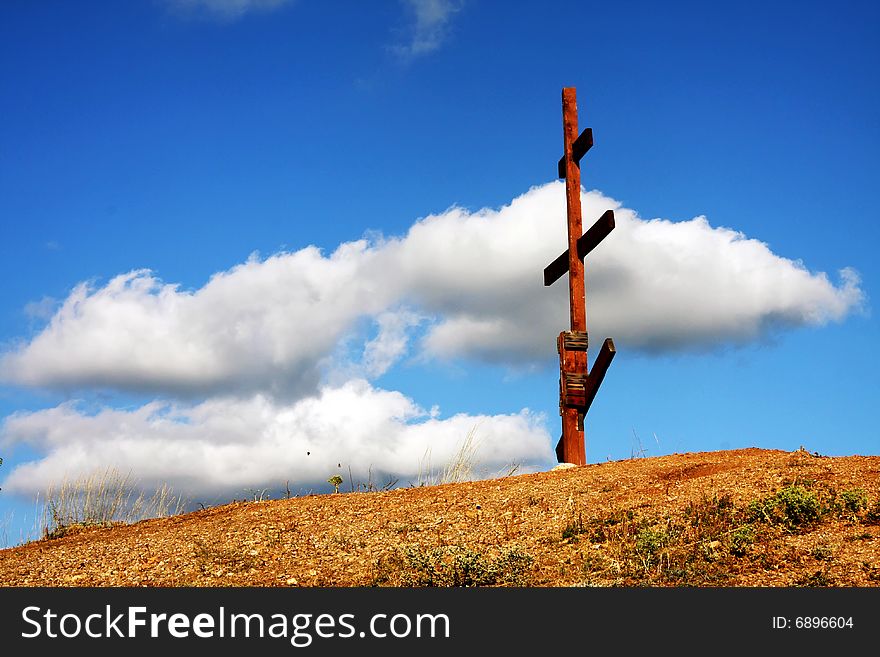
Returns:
<point x="577" y="385"/>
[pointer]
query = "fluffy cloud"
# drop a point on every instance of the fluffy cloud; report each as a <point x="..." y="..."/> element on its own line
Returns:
<point x="272" y="358"/>
<point x="462" y="284"/>
<point x="245" y="330"/>
<point x="224" y="446"/>
<point x="654" y="285"/>
<point x="430" y="26"/>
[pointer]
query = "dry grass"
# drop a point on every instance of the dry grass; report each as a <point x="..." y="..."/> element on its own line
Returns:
<point x="460" y="468"/>
<point x="103" y="499"/>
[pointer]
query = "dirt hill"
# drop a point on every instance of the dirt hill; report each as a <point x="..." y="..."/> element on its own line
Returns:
<point x="748" y="517"/>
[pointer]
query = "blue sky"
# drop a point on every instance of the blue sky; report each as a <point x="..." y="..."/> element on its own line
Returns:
<point x="245" y="241"/>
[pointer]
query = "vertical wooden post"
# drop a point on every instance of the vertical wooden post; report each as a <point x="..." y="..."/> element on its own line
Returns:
<point x="573" y="446"/>
<point x="577" y="386"/>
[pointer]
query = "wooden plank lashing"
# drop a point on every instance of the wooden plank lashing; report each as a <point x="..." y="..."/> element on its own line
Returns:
<point x="574" y="340"/>
<point x="572" y="378"/>
<point x="574" y="389"/>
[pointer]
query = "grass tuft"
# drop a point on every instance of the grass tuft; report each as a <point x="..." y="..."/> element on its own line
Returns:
<point x="103" y="499"/>
<point x="459" y="469"/>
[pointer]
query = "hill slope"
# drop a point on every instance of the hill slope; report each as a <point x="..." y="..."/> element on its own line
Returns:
<point x="734" y="518"/>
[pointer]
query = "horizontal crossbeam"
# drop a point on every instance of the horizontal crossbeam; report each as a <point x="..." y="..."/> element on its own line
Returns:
<point x="579" y="148"/>
<point x="586" y="243"/>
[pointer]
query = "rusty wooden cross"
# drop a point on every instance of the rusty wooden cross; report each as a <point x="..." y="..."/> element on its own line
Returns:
<point x="577" y="385"/>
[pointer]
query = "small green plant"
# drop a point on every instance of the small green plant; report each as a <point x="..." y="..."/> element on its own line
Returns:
<point x="453" y="565"/>
<point x="821" y="553"/>
<point x="741" y="539"/>
<point x="818" y="579"/>
<point x="573" y="529"/>
<point x="649" y="542"/>
<point x="792" y="506"/>
<point x="872" y="517"/>
<point x="336" y="480"/>
<point x="854" y="500"/>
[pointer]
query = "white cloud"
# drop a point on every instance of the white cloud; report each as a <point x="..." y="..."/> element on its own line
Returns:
<point x="390" y="343"/>
<point x="226" y="10"/>
<point x="250" y="348"/>
<point x="429" y="28"/>
<point x="262" y="325"/>
<point x="654" y="285"/>
<point x="42" y="309"/>
<point x="471" y="280"/>
<point x="224" y="445"/>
